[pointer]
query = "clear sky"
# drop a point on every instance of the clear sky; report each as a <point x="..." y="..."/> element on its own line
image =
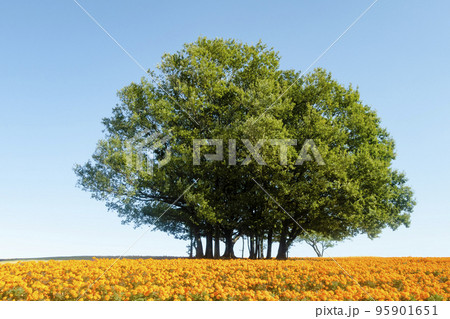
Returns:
<point x="59" y="74"/>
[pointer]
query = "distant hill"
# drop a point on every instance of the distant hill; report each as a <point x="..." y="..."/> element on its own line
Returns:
<point x="86" y="258"/>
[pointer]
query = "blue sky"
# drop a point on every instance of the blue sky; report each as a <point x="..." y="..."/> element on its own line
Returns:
<point x="59" y="74"/>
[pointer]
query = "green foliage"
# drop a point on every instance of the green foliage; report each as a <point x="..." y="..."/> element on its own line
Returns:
<point x="435" y="297"/>
<point x="16" y="293"/>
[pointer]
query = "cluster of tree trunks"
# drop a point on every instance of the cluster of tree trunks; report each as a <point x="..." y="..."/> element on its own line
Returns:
<point x="255" y="246"/>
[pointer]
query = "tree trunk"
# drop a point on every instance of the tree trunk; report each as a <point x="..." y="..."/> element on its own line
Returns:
<point x="191" y="246"/>
<point x="209" y="246"/>
<point x="198" y="246"/>
<point x="229" y="245"/>
<point x="217" y="245"/>
<point x="252" y="254"/>
<point x="261" y="247"/>
<point x="257" y="250"/>
<point x="283" y="247"/>
<point x="316" y="249"/>
<point x="269" y="244"/>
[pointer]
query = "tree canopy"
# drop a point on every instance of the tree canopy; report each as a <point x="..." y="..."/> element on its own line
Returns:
<point x="335" y="177"/>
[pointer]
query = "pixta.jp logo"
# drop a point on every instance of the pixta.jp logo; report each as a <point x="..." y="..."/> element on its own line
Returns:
<point x="141" y="150"/>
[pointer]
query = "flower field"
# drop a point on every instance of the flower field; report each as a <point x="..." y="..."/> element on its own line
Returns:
<point x="186" y="279"/>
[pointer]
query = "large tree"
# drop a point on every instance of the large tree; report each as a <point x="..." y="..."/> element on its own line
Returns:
<point x="223" y="90"/>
